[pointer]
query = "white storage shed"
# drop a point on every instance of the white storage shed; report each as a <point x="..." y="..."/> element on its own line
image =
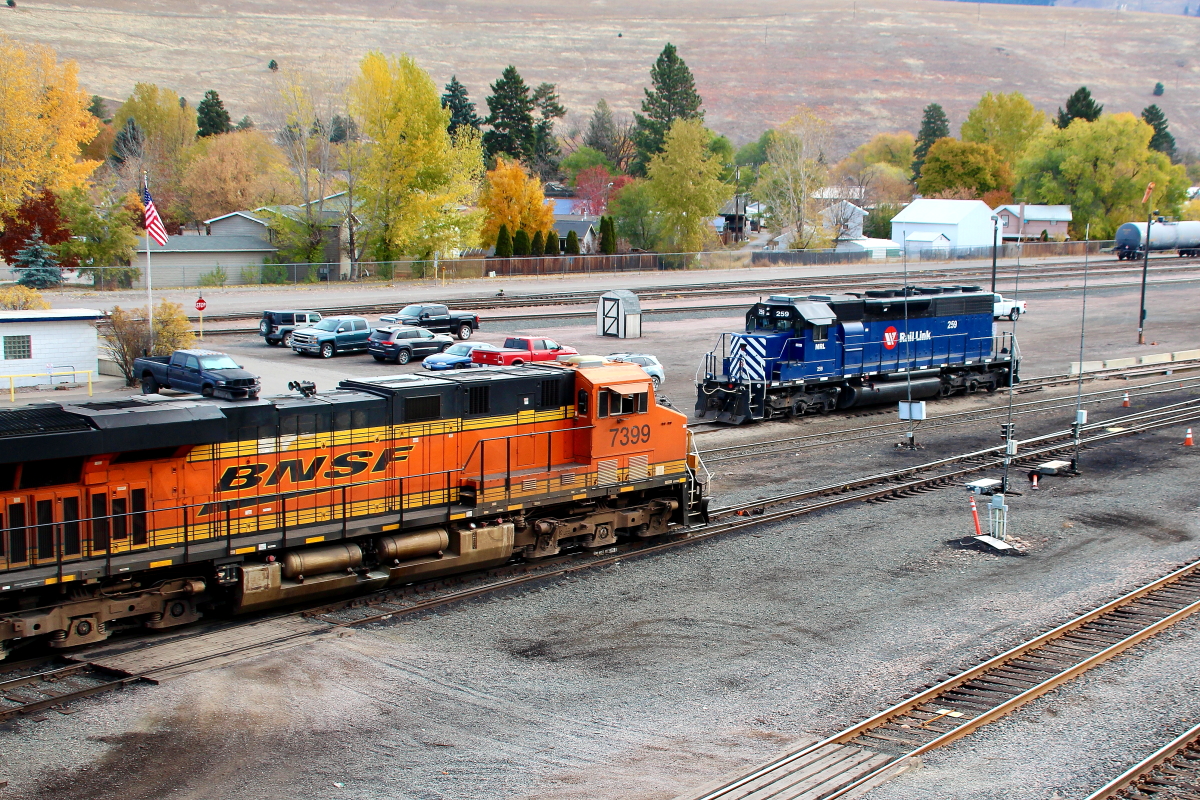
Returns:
<point x="964" y="223"/>
<point x="56" y="340"/>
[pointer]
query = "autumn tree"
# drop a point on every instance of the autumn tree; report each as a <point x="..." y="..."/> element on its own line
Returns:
<point x="234" y="171"/>
<point x="211" y="116"/>
<point x="634" y="215"/>
<point x="585" y="158"/>
<point x="952" y="165"/>
<point x="610" y="136"/>
<point x="685" y="182"/>
<point x="165" y="128"/>
<point x="103" y="237"/>
<point x="1101" y="170"/>
<point x="40" y="214"/>
<point x="934" y="126"/>
<point x="513" y="130"/>
<point x="462" y="110"/>
<point x="796" y="168"/>
<point x="1162" y="140"/>
<point x="22" y="298"/>
<point x="594" y="187"/>
<point x="44" y="123"/>
<point x="1007" y="122"/>
<point x="418" y="179"/>
<point x="1080" y="105"/>
<point x="127" y="336"/>
<point x="673" y="97"/>
<point x="513" y="197"/>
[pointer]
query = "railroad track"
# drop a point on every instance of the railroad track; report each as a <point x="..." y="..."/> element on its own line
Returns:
<point x="878" y="280"/>
<point x="239" y="640"/>
<point x="41" y="689"/>
<point x="1170" y="773"/>
<point x="872" y="752"/>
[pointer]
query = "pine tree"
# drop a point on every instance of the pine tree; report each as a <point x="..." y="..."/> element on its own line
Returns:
<point x="462" y="110"/>
<point x="552" y="243"/>
<point x="537" y="247"/>
<point x="674" y="97"/>
<point x="602" y="130"/>
<point x="1080" y="105"/>
<point x="934" y="126"/>
<point x="129" y="143"/>
<point x="38" y="267"/>
<point x="273" y="65"/>
<point x="608" y="236"/>
<point x="521" y="243"/>
<point x="211" y="116"/>
<point x="504" y="243"/>
<point x="513" y="130"/>
<point x="343" y="129"/>
<point x="1162" y="140"/>
<point x="244" y="124"/>
<point x="1159" y="89"/>
<point x="572" y="248"/>
<point x="545" y="148"/>
<point x="96" y="109"/>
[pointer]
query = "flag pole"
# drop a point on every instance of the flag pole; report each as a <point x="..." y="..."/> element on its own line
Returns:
<point x="149" y="286"/>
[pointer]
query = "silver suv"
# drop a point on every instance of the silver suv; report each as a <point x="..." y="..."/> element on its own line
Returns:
<point x="651" y="364"/>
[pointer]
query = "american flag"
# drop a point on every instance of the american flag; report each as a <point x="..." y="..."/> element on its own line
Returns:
<point x="154" y="223"/>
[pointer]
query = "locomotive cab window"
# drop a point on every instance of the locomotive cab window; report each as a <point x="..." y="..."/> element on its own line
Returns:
<point x="614" y="403"/>
<point x="820" y="333"/>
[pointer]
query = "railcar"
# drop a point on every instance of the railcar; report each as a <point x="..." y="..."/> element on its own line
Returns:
<point x="817" y="353"/>
<point x="1183" y="237"/>
<point x="153" y="511"/>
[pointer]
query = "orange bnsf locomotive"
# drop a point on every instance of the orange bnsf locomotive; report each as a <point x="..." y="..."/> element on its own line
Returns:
<point x="152" y="511"/>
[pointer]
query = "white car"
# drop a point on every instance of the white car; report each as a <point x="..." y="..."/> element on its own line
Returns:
<point x="1003" y="308"/>
<point x="647" y="362"/>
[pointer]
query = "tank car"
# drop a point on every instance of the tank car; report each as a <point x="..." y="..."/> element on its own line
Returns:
<point x="1181" y="236"/>
<point x="817" y="353"/>
<point x="154" y="511"/>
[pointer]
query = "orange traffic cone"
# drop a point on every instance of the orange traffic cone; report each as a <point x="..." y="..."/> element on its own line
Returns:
<point x="1125" y="402"/>
<point x="1187" y="440"/>
<point x="1034" y="477"/>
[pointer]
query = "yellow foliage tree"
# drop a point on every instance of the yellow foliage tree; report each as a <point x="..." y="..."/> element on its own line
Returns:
<point x="234" y="171"/>
<point x="168" y="127"/>
<point x="417" y="181"/>
<point x="44" y="123"/>
<point x="22" y="298"/>
<point x="1007" y="122"/>
<point x="514" y="198"/>
<point x="127" y="336"/>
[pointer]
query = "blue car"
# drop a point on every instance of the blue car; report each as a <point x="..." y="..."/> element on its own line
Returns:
<point x="456" y="356"/>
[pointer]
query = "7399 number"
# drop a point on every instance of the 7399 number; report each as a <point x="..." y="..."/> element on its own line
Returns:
<point x="630" y="434"/>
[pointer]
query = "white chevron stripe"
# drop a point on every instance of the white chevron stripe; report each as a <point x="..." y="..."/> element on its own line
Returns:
<point x="748" y="362"/>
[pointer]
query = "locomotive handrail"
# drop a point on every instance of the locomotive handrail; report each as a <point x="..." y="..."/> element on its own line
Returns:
<point x="480" y="445"/>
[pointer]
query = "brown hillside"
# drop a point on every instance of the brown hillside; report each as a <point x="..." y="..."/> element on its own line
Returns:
<point x="867" y="65"/>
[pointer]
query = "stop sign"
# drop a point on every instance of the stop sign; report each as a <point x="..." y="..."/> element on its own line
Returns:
<point x="201" y="305"/>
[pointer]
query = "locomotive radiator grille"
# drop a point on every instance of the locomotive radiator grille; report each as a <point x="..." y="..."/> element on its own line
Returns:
<point x="638" y="468"/>
<point x="567" y="478"/>
<point x="606" y="472"/>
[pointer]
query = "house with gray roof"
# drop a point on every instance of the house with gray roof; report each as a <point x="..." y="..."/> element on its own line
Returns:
<point x="585" y="231"/>
<point x="1026" y="221"/>
<point x="183" y="259"/>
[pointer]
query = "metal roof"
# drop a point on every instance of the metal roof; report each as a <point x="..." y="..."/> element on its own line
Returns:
<point x="50" y="315"/>
<point x="210" y="244"/>
<point x="1039" y="213"/>
<point x="940" y="212"/>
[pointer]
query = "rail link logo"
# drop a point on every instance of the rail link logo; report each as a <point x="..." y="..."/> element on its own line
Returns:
<point x="893" y="337"/>
<point x="245" y="476"/>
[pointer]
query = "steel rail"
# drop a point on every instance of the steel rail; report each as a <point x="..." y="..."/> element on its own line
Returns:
<point x="1129" y="780"/>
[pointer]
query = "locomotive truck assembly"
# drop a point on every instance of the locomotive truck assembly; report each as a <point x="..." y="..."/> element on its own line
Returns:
<point x="822" y="352"/>
<point x="153" y="512"/>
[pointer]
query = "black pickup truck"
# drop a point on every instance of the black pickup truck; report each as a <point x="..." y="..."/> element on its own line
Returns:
<point x="205" y="372"/>
<point x="436" y="318"/>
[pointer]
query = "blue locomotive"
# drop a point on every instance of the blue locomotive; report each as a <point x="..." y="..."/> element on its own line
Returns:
<point x="813" y="354"/>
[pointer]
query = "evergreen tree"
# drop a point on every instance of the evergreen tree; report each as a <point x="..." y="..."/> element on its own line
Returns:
<point x="244" y="124"/>
<point x="504" y="243"/>
<point x="1162" y="140"/>
<point x="545" y="148"/>
<point x="538" y="246"/>
<point x="513" y="130"/>
<point x="1080" y="105"/>
<point x="572" y="248"/>
<point x="608" y="236"/>
<point x="38" y="267"/>
<point x="521" y="243"/>
<point x="602" y="130"/>
<point x="129" y="143"/>
<point x="273" y="65"/>
<point x="96" y="109"/>
<point x="1159" y="89"/>
<point x="674" y="97"/>
<point x="934" y="126"/>
<point x="211" y="116"/>
<point x="552" y="244"/>
<point x="462" y="110"/>
<point x="343" y="129"/>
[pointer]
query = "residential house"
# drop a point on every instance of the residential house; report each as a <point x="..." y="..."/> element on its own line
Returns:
<point x="844" y="220"/>
<point x="1021" y="221"/>
<point x="585" y="230"/>
<point x="184" y="259"/>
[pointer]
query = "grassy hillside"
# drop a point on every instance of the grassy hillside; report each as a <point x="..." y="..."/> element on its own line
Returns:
<point x="868" y="65"/>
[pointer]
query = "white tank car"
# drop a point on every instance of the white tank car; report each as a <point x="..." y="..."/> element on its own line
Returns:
<point x="1181" y="236"/>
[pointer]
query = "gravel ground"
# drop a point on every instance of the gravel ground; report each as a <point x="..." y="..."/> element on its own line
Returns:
<point x="642" y="679"/>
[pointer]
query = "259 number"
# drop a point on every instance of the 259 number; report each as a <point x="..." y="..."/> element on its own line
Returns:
<point x="631" y="434"/>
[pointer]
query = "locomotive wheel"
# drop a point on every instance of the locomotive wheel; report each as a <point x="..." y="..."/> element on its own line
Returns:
<point x="799" y="407"/>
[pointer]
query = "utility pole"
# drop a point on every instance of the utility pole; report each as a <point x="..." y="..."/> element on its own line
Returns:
<point x="995" y="239"/>
<point x="1145" y="270"/>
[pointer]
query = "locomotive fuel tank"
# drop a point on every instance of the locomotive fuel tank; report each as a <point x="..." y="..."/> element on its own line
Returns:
<point x="888" y="392"/>
<point x="1181" y="236"/>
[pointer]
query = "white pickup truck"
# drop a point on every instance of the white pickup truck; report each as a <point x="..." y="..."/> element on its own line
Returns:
<point x="1004" y="308"/>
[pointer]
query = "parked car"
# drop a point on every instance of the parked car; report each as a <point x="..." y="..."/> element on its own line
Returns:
<point x="522" y="350"/>
<point x="277" y="326"/>
<point x="457" y="356"/>
<point x="1003" y="307"/>
<point x="331" y="336"/>
<point x="436" y="318"/>
<point x="651" y="364"/>
<point x="401" y="343"/>
<point x="204" y="372"/>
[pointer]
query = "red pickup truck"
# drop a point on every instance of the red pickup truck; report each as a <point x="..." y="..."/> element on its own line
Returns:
<point x="522" y="350"/>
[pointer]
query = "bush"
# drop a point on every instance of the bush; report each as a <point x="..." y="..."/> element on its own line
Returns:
<point x="538" y="246"/>
<point x="552" y="243"/>
<point x="504" y="245"/>
<point x="1158" y="89"/>
<point x="274" y="273"/>
<point x="127" y="336"/>
<point x="384" y="270"/>
<point x="21" y="298"/>
<point x="520" y="245"/>
<point x="572" y="248"/>
<point x="251" y="275"/>
<point x="215" y="278"/>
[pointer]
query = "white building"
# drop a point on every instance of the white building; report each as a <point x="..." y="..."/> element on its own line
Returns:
<point x="51" y="340"/>
<point x="964" y="223"/>
<point x="878" y="248"/>
<point x="844" y="220"/>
